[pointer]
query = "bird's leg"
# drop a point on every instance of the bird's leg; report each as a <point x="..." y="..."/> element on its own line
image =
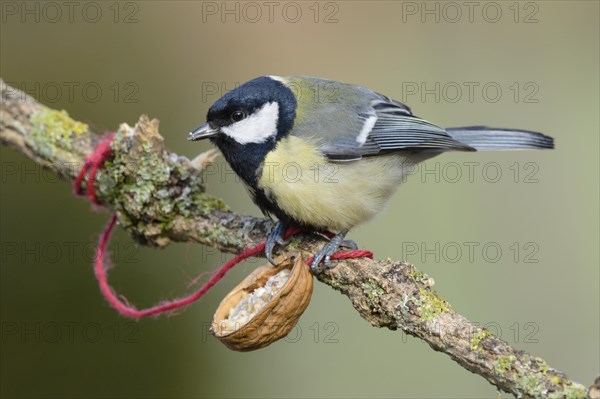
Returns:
<point x="329" y="249"/>
<point x="275" y="237"/>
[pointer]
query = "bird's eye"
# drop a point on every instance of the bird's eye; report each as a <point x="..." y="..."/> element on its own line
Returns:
<point x="238" y="116"/>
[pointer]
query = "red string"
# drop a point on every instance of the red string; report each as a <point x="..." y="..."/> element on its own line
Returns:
<point x="93" y="163"/>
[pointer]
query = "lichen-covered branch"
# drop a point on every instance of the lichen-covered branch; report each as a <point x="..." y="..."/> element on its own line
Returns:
<point x="160" y="197"/>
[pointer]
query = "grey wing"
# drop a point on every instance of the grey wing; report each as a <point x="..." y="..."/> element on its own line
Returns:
<point x="387" y="126"/>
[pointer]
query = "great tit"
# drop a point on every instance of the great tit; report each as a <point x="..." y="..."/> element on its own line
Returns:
<point x="323" y="155"/>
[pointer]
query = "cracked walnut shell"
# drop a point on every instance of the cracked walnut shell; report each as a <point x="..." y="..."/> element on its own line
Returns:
<point x="265" y="306"/>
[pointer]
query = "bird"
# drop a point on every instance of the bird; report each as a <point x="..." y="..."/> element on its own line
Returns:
<point x="321" y="155"/>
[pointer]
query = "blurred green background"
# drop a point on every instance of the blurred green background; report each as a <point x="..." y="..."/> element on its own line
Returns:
<point x="532" y="65"/>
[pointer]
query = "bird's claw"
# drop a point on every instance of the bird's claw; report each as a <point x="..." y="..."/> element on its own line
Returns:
<point x="350" y="244"/>
<point x="324" y="255"/>
<point x="275" y="237"/>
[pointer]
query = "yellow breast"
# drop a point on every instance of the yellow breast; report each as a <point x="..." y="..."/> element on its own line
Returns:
<point x="331" y="195"/>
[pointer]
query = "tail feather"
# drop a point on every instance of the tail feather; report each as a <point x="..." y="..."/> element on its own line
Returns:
<point x="489" y="138"/>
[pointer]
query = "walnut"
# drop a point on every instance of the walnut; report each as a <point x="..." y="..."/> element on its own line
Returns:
<point x="265" y="306"/>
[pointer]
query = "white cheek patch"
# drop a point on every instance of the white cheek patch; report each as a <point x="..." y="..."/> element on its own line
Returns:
<point x="256" y="128"/>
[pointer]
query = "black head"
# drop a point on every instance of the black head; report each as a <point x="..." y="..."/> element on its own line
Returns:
<point x="247" y="122"/>
<point x="259" y="111"/>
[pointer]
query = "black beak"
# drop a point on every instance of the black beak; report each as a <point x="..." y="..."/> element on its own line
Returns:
<point x="202" y="132"/>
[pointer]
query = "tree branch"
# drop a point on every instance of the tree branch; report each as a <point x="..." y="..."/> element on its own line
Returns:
<point x="160" y="197"/>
